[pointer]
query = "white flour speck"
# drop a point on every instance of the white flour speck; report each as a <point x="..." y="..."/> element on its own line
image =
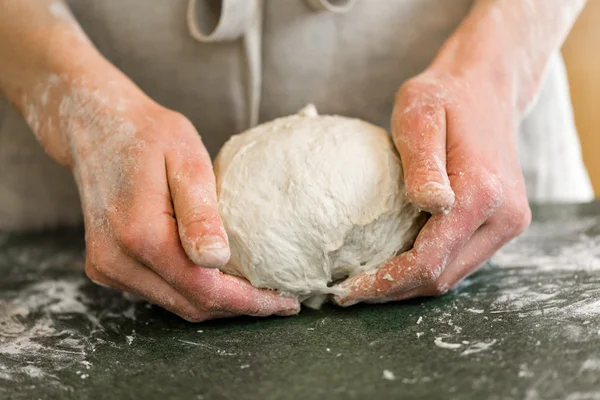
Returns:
<point x="524" y="372"/>
<point x="475" y="311"/>
<point x="478" y="347"/>
<point x="439" y="342"/>
<point x="592" y="364"/>
<point x="388" y="375"/>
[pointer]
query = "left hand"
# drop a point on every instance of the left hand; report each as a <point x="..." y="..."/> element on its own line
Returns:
<point x="455" y="132"/>
<point x="455" y="126"/>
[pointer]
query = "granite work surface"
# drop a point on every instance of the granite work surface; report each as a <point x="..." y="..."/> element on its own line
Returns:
<point x="526" y="326"/>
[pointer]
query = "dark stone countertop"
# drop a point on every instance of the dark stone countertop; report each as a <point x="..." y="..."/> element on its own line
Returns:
<point x="527" y="326"/>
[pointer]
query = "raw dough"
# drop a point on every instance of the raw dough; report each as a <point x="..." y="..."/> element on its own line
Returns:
<point x="310" y="200"/>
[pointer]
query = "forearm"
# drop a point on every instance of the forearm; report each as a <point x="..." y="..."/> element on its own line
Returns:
<point x="50" y="71"/>
<point x="513" y="40"/>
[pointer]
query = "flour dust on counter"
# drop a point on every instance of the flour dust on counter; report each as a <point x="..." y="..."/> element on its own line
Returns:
<point x="35" y="339"/>
<point x="570" y="252"/>
<point x="46" y="324"/>
<point x="525" y="326"/>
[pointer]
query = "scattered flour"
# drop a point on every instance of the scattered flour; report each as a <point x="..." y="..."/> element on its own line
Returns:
<point x="558" y="248"/>
<point x="36" y="339"/>
<point x="545" y="247"/>
<point x="29" y="332"/>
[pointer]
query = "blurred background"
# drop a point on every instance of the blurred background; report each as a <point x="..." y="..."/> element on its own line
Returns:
<point x="582" y="57"/>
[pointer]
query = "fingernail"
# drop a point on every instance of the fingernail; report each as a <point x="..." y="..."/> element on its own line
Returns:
<point x="433" y="197"/>
<point x="289" y="311"/>
<point x="290" y="306"/>
<point x="210" y="252"/>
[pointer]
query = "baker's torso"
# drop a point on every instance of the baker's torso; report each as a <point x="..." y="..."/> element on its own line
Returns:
<point x="349" y="63"/>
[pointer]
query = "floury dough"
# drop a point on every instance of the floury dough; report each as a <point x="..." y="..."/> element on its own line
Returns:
<point x="310" y="200"/>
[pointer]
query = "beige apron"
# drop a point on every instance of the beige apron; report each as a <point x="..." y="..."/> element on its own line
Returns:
<point x="229" y="64"/>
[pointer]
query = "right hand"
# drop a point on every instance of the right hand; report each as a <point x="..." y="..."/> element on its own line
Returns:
<point x="150" y="208"/>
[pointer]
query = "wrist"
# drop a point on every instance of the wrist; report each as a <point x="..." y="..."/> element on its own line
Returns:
<point x="71" y="107"/>
<point x="92" y="109"/>
<point x="60" y="83"/>
<point x="508" y="44"/>
<point x="480" y="64"/>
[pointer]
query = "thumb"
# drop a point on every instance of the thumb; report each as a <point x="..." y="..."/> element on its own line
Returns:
<point x="419" y="132"/>
<point x="193" y="190"/>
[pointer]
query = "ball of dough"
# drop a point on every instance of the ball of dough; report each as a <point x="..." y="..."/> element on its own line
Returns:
<point x="308" y="201"/>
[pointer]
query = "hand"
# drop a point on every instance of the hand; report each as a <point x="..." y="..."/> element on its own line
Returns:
<point x="145" y="179"/>
<point x="150" y="208"/>
<point x="455" y="133"/>
<point x="455" y="126"/>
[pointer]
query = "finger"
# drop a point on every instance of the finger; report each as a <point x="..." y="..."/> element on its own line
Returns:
<point x="152" y="239"/>
<point x="215" y="290"/>
<point x="489" y="238"/>
<point x="149" y="233"/>
<point x="127" y="275"/>
<point x="193" y="190"/>
<point x="478" y="250"/>
<point x="212" y="289"/>
<point x="419" y="132"/>
<point x="438" y="242"/>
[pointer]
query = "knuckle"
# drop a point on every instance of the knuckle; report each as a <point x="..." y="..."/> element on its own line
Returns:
<point x="99" y="273"/>
<point x="212" y="300"/>
<point x="489" y="189"/>
<point x="254" y="309"/>
<point x="199" y="214"/>
<point x="173" y="120"/>
<point x="97" y="262"/>
<point x="130" y="236"/>
<point x="429" y="274"/>
<point x="421" y="90"/>
<point x="413" y="89"/>
<point x="518" y="216"/>
<point x="194" y="315"/>
<point x="407" y="91"/>
<point x="180" y="121"/>
<point x="182" y="127"/>
<point x="212" y="303"/>
<point x="92" y="271"/>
